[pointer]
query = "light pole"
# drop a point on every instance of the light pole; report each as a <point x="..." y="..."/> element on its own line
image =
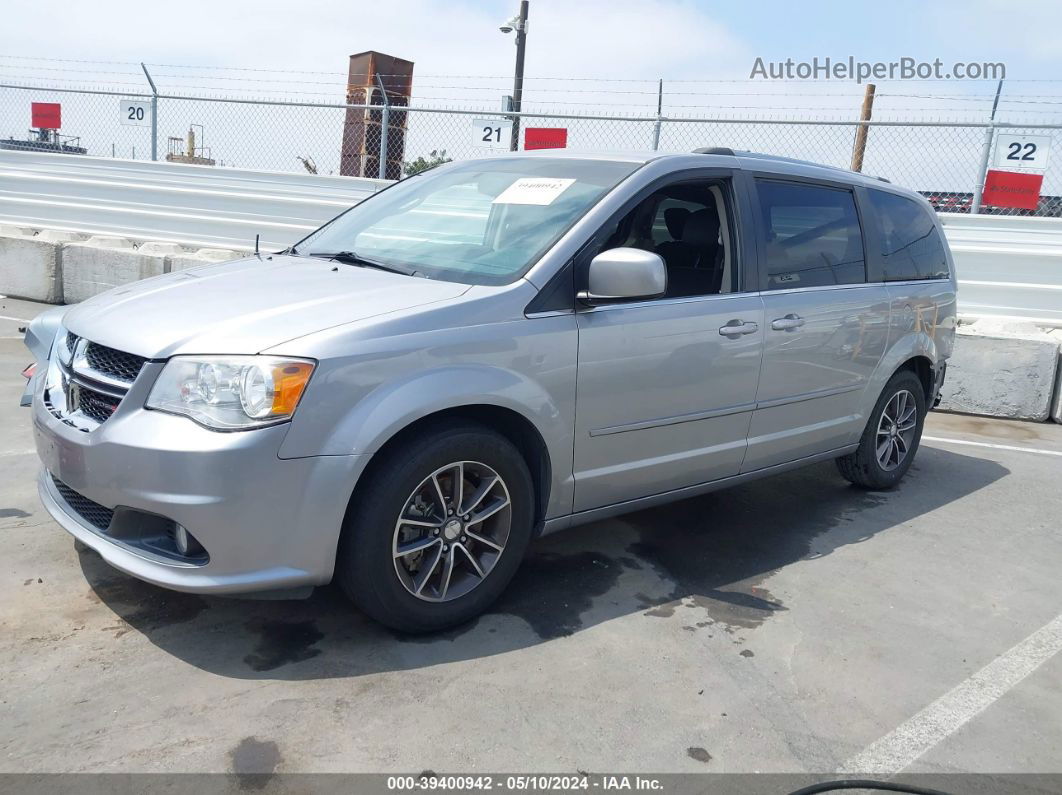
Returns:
<point x="518" y="24"/>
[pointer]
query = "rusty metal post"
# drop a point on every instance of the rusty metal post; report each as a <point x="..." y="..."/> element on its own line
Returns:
<point x="860" y="146"/>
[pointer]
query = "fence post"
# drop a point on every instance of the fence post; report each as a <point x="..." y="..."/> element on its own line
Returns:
<point x="982" y="170"/>
<point x="986" y="153"/>
<point x="659" y="114"/>
<point x="154" y="114"/>
<point x="859" y="146"/>
<point x="381" y="171"/>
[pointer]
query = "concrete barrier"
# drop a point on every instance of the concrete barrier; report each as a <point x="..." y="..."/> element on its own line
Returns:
<point x="1002" y="369"/>
<point x="13" y="230"/>
<point x="203" y="256"/>
<point x="56" y="266"/>
<point x="31" y="265"/>
<point x="103" y="262"/>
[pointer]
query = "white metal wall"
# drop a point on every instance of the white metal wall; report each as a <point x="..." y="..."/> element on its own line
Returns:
<point x="191" y="205"/>
<point x="1008" y="266"/>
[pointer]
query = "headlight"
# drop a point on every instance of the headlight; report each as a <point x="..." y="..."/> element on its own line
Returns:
<point x="231" y="393"/>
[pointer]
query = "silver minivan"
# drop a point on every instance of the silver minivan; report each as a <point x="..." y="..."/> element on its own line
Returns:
<point x="485" y="353"/>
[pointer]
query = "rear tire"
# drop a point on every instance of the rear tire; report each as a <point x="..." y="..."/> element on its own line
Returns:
<point x="411" y="500"/>
<point x="891" y="437"/>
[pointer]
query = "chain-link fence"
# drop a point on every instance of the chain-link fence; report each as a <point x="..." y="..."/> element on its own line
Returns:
<point x="947" y="161"/>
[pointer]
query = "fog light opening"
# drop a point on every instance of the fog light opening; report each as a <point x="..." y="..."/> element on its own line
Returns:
<point x="185" y="542"/>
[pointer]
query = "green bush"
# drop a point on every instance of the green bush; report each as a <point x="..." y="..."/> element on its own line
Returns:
<point x="436" y="158"/>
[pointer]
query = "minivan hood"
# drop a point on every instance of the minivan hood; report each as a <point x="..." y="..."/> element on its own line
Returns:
<point x="246" y="306"/>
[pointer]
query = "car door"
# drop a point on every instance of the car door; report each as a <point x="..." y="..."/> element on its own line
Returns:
<point x="666" y="387"/>
<point x="826" y="327"/>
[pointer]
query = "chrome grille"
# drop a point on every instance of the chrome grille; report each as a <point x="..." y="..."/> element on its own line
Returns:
<point x="94" y="380"/>
<point x="95" y="404"/>
<point x="117" y="364"/>
<point x="92" y="512"/>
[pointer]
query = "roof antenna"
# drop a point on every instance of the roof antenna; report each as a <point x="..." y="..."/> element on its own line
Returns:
<point x="256" y="247"/>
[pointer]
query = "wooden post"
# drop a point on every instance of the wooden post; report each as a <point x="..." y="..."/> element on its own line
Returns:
<point x="860" y="146"/>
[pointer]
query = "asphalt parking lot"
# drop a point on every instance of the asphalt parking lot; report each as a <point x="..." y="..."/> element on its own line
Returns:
<point x="795" y="624"/>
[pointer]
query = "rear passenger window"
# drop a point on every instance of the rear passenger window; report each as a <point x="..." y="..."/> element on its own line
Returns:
<point x="910" y="243"/>
<point x="812" y="236"/>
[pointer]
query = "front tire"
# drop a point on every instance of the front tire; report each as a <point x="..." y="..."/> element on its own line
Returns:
<point x="437" y="528"/>
<point x="891" y="437"/>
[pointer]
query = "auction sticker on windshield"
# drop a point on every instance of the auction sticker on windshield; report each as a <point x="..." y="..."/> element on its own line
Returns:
<point x="533" y="190"/>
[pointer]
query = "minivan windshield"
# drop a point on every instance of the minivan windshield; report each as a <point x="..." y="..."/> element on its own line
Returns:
<point x="480" y="222"/>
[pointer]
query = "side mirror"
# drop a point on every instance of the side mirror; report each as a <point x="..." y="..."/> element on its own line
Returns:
<point x="622" y="274"/>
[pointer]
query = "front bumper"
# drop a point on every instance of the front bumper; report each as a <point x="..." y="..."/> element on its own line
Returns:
<point x="266" y="523"/>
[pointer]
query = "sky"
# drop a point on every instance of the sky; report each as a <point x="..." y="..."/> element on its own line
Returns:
<point x="599" y="38"/>
<point x="632" y="39"/>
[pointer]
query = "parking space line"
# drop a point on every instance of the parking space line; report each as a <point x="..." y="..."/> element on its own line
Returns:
<point x="18" y="319"/>
<point x="1037" y="450"/>
<point x="6" y="453"/>
<point x="913" y="738"/>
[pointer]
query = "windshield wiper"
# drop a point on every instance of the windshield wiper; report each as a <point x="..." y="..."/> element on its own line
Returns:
<point x="351" y="258"/>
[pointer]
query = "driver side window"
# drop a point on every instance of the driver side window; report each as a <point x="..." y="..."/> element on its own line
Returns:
<point x="686" y="225"/>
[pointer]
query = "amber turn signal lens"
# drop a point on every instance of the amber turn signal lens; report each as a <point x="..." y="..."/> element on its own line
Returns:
<point x="289" y="382"/>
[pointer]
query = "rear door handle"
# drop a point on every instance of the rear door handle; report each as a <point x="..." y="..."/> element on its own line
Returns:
<point x="790" y="322"/>
<point x="736" y="327"/>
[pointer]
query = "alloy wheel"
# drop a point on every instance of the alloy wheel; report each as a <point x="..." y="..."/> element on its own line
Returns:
<point x="896" y="430"/>
<point x="452" y="531"/>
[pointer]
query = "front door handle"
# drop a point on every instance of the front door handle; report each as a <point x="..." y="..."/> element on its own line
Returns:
<point x="736" y="327"/>
<point x="790" y="322"/>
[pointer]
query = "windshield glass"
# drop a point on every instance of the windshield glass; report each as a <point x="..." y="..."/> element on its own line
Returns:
<point x="481" y="222"/>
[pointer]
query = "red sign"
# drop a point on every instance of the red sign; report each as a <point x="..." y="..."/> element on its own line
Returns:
<point x="545" y="137"/>
<point x="1010" y="189"/>
<point x="46" y="115"/>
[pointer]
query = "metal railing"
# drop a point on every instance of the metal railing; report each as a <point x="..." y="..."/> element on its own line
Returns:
<point x="947" y="161"/>
<point x="194" y="206"/>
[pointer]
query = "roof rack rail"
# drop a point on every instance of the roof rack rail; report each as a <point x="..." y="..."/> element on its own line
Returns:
<point x="726" y="150"/>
